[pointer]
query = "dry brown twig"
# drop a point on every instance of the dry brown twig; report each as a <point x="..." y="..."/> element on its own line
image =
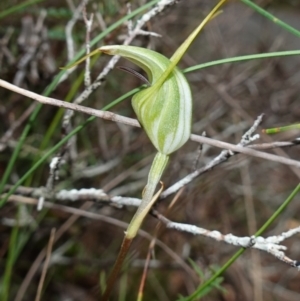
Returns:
<point x="4" y="50"/>
<point x="270" y="244"/>
<point x="4" y="141"/>
<point x="133" y="122"/>
<point x="46" y="264"/>
<point x="70" y="147"/>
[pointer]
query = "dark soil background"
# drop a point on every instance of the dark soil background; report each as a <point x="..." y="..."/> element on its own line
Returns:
<point x="236" y="197"/>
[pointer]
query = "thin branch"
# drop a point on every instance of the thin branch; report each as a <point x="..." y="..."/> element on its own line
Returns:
<point x="245" y="150"/>
<point x="275" y="144"/>
<point x="74" y="195"/>
<point x="269" y="244"/>
<point x="69" y="28"/>
<point x="133" y="122"/>
<point x="4" y="141"/>
<point x="88" y="24"/>
<point x="46" y="264"/>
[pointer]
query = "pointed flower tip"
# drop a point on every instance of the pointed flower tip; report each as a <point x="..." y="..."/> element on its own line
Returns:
<point x="81" y="60"/>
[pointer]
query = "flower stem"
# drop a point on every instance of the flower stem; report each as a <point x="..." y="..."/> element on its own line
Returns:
<point x="157" y="168"/>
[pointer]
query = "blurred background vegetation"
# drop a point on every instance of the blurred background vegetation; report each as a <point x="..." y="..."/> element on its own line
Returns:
<point x="236" y="197"/>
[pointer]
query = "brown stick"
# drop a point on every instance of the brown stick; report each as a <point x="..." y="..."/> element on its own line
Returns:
<point x="133" y="122"/>
<point x="46" y="264"/>
<point x="117" y="267"/>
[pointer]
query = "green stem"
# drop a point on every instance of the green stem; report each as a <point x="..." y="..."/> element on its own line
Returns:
<point x="282" y="129"/>
<point x="241" y="58"/>
<point x="269" y="16"/>
<point x="279" y="211"/>
<point x="10" y="260"/>
<point x="18" y="7"/>
<point x="157" y="168"/>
